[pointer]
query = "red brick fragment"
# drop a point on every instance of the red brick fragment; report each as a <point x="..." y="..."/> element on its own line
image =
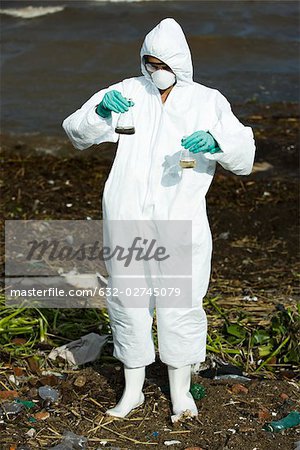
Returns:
<point x="239" y="389"/>
<point x="5" y="395"/>
<point x="284" y="396"/>
<point x="264" y="414"/>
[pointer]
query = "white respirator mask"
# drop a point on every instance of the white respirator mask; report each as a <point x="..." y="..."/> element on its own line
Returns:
<point x="163" y="79"/>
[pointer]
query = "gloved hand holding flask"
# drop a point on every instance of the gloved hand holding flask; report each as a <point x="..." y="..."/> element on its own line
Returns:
<point x="200" y="141"/>
<point x="113" y="101"/>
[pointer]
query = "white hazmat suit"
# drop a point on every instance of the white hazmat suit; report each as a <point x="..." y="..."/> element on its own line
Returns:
<point x="147" y="182"/>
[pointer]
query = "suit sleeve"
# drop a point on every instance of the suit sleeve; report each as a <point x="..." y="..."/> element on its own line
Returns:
<point x="85" y="127"/>
<point x="235" y="140"/>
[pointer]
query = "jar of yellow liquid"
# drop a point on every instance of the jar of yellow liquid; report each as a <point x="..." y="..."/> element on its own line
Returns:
<point x="187" y="159"/>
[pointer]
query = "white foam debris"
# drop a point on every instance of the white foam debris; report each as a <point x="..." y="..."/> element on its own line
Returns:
<point x="30" y="12"/>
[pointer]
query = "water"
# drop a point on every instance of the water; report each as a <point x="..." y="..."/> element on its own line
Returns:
<point x="56" y="54"/>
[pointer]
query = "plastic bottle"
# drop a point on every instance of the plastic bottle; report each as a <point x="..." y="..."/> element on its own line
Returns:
<point x="197" y="391"/>
<point x="291" y="420"/>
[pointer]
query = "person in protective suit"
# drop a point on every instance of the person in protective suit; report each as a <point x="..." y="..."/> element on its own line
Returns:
<point x="146" y="182"/>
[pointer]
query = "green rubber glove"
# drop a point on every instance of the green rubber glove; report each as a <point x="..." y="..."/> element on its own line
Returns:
<point x="200" y="141"/>
<point x="113" y="101"/>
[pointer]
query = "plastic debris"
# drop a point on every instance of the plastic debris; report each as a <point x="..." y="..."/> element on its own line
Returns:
<point x="224" y="235"/>
<point x="248" y="298"/>
<point x="197" y="391"/>
<point x="172" y="442"/>
<point x="80" y="381"/>
<point x="27" y="403"/>
<point x="81" y="280"/>
<point x="155" y="434"/>
<point x="55" y="374"/>
<point x="86" y="349"/>
<point x="214" y="366"/>
<point x="262" y="167"/>
<point x="32" y="420"/>
<point x="31" y="432"/>
<point x="48" y="393"/>
<point x="229" y="376"/>
<point x="71" y="441"/>
<point x="13" y="380"/>
<point x="12" y="408"/>
<point x="185" y="415"/>
<point x="291" y="420"/>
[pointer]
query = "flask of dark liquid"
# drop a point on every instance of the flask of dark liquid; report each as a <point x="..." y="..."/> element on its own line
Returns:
<point x="125" y="123"/>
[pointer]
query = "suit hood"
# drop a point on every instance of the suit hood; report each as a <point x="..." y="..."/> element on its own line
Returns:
<point x="167" y="42"/>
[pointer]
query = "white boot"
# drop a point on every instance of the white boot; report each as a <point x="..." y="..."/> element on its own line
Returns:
<point x="132" y="396"/>
<point x="181" y="398"/>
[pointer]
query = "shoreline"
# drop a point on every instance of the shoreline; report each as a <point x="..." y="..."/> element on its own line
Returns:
<point x="275" y="127"/>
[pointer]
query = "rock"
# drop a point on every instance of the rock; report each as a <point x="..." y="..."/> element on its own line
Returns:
<point x="80" y="381"/>
<point x="284" y="396"/>
<point x="42" y="415"/>
<point x="246" y="429"/>
<point x="18" y="371"/>
<point x="239" y="389"/>
<point x="264" y="414"/>
<point x="32" y="393"/>
<point x="49" y="380"/>
<point x="5" y="395"/>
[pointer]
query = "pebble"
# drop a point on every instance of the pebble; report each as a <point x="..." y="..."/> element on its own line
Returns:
<point x="31" y="432"/>
<point x="239" y="389"/>
<point x="42" y="415"/>
<point x="284" y="396"/>
<point x="5" y="395"/>
<point x="80" y="381"/>
<point x="264" y="414"/>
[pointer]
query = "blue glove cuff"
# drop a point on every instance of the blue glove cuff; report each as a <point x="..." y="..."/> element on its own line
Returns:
<point x="102" y="111"/>
<point x="215" y="150"/>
